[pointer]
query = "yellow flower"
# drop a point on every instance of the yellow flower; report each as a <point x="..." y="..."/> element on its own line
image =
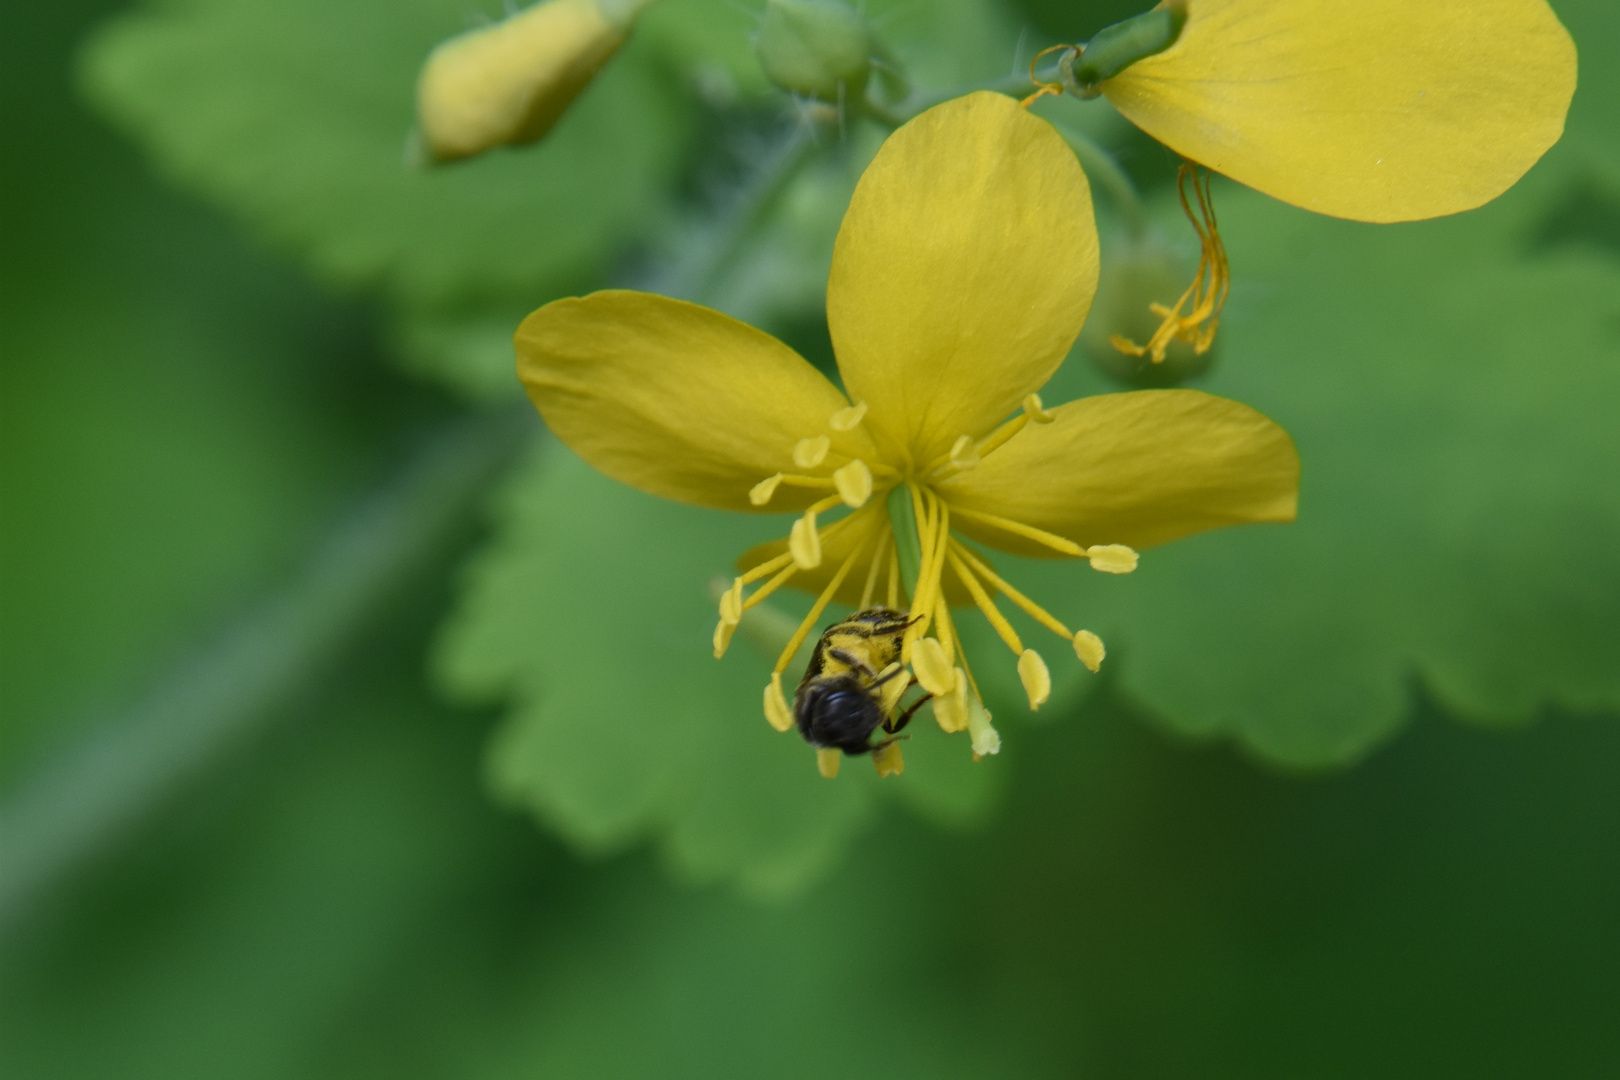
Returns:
<point x="961" y="276"/>
<point x="1375" y="110"/>
<point x="508" y="83"/>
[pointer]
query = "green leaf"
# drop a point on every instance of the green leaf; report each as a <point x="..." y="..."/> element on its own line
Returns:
<point x="297" y="115"/>
<point x="1452" y="400"/>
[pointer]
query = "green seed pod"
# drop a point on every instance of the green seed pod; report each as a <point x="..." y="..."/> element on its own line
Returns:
<point x="818" y="48"/>
<point x="1136" y="274"/>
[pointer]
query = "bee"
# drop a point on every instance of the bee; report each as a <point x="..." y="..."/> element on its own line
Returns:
<point x="839" y="702"/>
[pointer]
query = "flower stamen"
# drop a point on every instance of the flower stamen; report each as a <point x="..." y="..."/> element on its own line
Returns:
<point x="1087" y="646"/>
<point x="854" y="483"/>
<point x="870" y="588"/>
<point x="1037" y="680"/>
<point x="997" y="620"/>
<point x="812" y="451"/>
<point x="804" y="540"/>
<point x="934" y="530"/>
<point x="1030" y="532"/>
<point x="848" y="419"/>
<point x="1207" y="293"/>
<point x="815" y="613"/>
<point x="1044" y="88"/>
<point x="762" y="492"/>
<point x="1030" y="607"/>
<point x="1112" y="558"/>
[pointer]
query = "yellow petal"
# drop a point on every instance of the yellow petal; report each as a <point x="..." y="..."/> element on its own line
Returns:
<point x="508" y="83"/>
<point x="676" y="399"/>
<point x="1377" y="110"/>
<point x="962" y="272"/>
<point x="827" y="761"/>
<point x="1138" y="469"/>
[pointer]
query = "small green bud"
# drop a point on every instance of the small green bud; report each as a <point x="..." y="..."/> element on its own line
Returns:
<point x="818" y="48"/>
<point x="1117" y="47"/>
<point x="1136" y="274"/>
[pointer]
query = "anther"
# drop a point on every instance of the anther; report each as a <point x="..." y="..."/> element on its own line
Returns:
<point x="1036" y="679"/>
<point x="1036" y="412"/>
<point x="894" y="689"/>
<point x="1089" y="648"/>
<point x="1112" y="558"/>
<point x="731" y="603"/>
<point x="762" y="492"/>
<point x="804" y="541"/>
<point x="828" y="760"/>
<point x="808" y="453"/>
<point x="722" y="637"/>
<point x="776" y="707"/>
<point x="963" y="455"/>
<point x="932" y="666"/>
<point x="888" y="760"/>
<point x="951" y="708"/>
<point x="986" y="740"/>
<point x="848" y="419"/>
<point x="854" y="483"/>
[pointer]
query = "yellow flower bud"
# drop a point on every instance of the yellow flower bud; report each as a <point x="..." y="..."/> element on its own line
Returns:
<point x="507" y="84"/>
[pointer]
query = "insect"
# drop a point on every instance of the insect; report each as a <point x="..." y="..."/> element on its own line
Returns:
<point x="840" y="700"/>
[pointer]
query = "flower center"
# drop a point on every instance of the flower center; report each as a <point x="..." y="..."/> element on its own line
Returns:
<point x="903" y="552"/>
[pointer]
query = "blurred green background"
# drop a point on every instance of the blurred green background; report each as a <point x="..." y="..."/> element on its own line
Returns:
<point x="308" y="768"/>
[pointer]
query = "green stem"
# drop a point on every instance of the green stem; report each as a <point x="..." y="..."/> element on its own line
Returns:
<point x="907" y="544"/>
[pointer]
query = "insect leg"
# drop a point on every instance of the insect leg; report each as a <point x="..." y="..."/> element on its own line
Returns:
<point x="896" y="725"/>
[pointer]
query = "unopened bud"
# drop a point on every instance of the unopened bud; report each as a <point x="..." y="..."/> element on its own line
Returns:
<point x="1138" y="273"/>
<point x="818" y="48"/>
<point x="507" y="84"/>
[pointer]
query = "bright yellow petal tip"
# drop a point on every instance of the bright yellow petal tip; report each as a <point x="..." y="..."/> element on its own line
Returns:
<point x="828" y="760"/>
<point x="1036" y="678"/>
<point x="1089" y="648"/>
<point x="1376" y="110"/>
<point x="888" y="760"/>
<point x="776" y="706"/>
